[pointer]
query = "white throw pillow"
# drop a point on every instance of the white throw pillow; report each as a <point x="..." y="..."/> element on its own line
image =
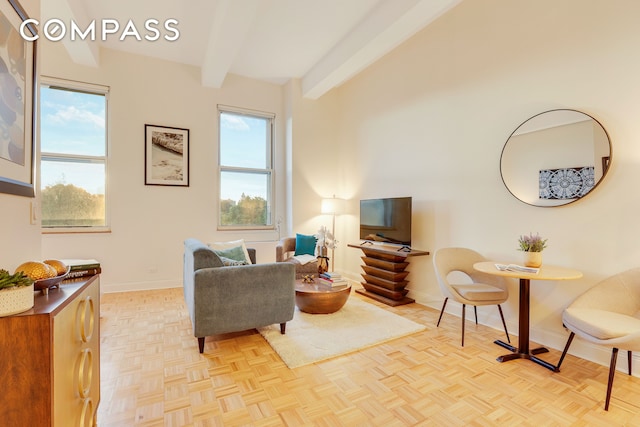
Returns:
<point x="228" y="245"/>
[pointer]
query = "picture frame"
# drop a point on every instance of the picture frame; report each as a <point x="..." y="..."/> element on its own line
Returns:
<point x="17" y="121"/>
<point x="166" y="156"/>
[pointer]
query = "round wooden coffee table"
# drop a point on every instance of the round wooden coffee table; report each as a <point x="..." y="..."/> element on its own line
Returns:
<point x="318" y="298"/>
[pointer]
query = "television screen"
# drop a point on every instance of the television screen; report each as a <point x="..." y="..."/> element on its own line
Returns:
<point x="386" y="220"/>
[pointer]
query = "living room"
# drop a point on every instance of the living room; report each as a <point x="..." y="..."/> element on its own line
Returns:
<point x="428" y="120"/>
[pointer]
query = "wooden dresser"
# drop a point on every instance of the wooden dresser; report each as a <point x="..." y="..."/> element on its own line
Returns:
<point x="50" y="368"/>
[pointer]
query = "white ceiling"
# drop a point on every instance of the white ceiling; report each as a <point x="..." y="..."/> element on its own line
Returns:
<point x="321" y="42"/>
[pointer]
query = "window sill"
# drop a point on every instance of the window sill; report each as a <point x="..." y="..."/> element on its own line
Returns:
<point x="75" y="230"/>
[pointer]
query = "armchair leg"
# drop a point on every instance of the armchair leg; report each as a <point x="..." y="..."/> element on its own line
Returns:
<point x="566" y="348"/>
<point x="283" y="326"/>
<point x="201" y="344"/>
<point x="612" y="372"/>
<point x="442" y="311"/>
<point x="463" y="312"/>
<point x="629" y="357"/>
<point x="475" y="311"/>
<point x="504" y="324"/>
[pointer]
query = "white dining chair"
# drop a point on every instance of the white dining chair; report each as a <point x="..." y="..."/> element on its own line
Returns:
<point x="607" y="315"/>
<point x="485" y="289"/>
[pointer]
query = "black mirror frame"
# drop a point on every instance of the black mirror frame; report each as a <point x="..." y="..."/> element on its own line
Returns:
<point x="606" y="161"/>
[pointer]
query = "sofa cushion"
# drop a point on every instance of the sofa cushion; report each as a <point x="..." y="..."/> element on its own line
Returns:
<point x="232" y="244"/>
<point x="305" y="244"/>
<point x="232" y="254"/>
<point x="228" y="261"/>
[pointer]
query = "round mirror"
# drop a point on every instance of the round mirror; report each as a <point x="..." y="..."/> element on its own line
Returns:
<point x="555" y="158"/>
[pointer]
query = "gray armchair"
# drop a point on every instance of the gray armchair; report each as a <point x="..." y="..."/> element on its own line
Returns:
<point x="235" y="298"/>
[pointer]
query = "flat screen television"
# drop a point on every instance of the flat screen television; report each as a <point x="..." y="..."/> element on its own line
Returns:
<point x="386" y="220"/>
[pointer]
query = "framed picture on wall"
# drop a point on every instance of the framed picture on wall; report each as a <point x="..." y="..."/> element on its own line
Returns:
<point x="19" y="87"/>
<point x="166" y="160"/>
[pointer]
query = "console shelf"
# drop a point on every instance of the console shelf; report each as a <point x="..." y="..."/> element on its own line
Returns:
<point x="384" y="273"/>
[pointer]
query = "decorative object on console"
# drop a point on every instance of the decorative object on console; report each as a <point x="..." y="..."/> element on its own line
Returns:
<point x="16" y="293"/>
<point x="45" y="275"/>
<point x="166" y="156"/>
<point x="333" y="207"/>
<point x="532" y="246"/>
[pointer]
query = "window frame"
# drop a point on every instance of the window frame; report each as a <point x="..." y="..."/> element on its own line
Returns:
<point x="269" y="170"/>
<point x="88" y="88"/>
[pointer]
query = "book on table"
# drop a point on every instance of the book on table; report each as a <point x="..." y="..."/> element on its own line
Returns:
<point x="332" y="283"/>
<point x="517" y="268"/>
<point x="82" y="267"/>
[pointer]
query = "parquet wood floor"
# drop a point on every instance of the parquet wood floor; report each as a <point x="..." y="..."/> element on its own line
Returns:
<point x="153" y="375"/>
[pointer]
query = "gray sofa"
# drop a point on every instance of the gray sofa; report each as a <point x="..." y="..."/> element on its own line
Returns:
<point x="235" y="298"/>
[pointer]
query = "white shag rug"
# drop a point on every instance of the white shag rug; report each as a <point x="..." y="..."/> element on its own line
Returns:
<point x="311" y="338"/>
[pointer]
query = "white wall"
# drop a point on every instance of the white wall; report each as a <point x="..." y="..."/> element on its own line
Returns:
<point x="149" y="223"/>
<point x="430" y="119"/>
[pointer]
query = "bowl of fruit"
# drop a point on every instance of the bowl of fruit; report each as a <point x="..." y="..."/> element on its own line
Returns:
<point x="45" y="274"/>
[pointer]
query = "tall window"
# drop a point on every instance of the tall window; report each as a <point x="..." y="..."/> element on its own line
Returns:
<point x="246" y="169"/>
<point x="73" y="164"/>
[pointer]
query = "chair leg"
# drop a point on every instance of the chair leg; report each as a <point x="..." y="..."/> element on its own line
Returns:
<point x="504" y="324"/>
<point x="629" y="357"/>
<point x="612" y="372"/>
<point x="463" y="312"/>
<point x="442" y="311"/>
<point x="566" y="348"/>
<point x="283" y="326"/>
<point x="475" y="311"/>
<point x="201" y="344"/>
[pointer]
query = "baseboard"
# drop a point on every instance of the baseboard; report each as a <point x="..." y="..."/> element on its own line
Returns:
<point x="140" y="286"/>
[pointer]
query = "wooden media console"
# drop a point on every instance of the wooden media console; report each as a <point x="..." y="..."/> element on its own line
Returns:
<point x="384" y="273"/>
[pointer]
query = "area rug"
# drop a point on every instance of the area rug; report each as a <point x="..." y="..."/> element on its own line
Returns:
<point x="312" y="338"/>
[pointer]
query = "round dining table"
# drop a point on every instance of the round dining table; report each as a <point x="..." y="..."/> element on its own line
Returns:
<point x="545" y="272"/>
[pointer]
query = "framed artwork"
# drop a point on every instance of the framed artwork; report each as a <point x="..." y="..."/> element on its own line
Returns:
<point x="18" y="89"/>
<point x="166" y="159"/>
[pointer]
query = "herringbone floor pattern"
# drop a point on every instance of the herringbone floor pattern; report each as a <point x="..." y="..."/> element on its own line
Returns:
<point x="153" y="375"/>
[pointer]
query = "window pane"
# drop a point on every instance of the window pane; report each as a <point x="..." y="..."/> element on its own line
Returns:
<point x="244" y="141"/>
<point x="72" y="122"/>
<point x="243" y="198"/>
<point x="72" y="193"/>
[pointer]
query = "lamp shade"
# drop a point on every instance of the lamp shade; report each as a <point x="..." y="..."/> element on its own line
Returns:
<point x="332" y="206"/>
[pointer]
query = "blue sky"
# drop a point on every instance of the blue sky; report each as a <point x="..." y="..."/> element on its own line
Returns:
<point x="72" y="122"/>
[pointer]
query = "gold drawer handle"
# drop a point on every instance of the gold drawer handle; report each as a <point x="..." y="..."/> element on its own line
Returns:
<point x="85" y="372"/>
<point x="86" y="332"/>
<point x="86" y="416"/>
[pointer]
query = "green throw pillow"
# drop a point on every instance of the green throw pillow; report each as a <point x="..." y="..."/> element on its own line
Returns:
<point x="236" y="254"/>
<point x="228" y="261"/>
<point x="305" y="245"/>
